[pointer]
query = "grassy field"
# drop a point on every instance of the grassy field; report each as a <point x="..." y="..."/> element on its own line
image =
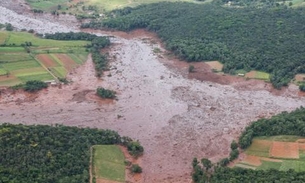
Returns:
<point x="258" y="75"/>
<point x="278" y="152"/>
<point x="47" y="58"/>
<point x="108" y="161"/>
<point x="76" y="7"/>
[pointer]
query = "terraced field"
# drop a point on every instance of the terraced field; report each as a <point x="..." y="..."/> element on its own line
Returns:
<point x="44" y="60"/>
<point x="277" y="152"/>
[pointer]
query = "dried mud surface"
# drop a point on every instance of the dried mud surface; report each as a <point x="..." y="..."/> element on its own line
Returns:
<point x="175" y="116"/>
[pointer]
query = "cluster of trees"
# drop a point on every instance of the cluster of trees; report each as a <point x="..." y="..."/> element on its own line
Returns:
<point x="105" y="93"/>
<point x="269" y="39"/>
<point x="255" y="3"/>
<point x="46" y="154"/>
<point x="283" y="124"/>
<point x="71" y="36"/>
<point x="97" y="43"/>
<point x="31" y="86"/>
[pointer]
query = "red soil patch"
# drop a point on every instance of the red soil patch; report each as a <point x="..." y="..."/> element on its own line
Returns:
<point x="46" y="60"/>
<point x="284" y="150"/>
<point x="67" y="61"/>
<point x="253" y="160"/>
<point x="301" y="146"/>
<point x="251" y="74"/>
<point x="105" y="181"/>
<point x="5" y="77"/>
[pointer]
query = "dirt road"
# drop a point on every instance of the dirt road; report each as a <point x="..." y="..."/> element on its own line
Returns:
<point x="174" y="117"/>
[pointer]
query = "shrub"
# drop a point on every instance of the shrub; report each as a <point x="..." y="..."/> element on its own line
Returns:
<point x="32" y="86"/>
<point x="135" y="148"/>
<point x="234" y="154"/>
<point x="135" y="168"/>
<point x="191" y="68"/>
<point x="234" y="145"/>
<point x="105" y="93"/>
<point x="302" y="87"/>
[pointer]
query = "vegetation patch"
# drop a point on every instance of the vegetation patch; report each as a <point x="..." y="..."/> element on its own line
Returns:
<point x="258" y="75"/>
<point x="108" y="161"/>
<point x="105" y="93"/>
<point x="46" y="154"/>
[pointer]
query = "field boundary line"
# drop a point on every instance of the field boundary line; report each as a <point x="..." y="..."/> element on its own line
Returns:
<point x="44" y="67"/>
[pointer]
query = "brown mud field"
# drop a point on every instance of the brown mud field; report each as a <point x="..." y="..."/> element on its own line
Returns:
<point x="176" y="116"/>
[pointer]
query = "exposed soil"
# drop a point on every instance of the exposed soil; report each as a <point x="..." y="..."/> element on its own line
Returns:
<point x="289" y="150"/>
<point x="66" y="60"/>
<point x="46" y="60"/>
<point x="175" y="115"/>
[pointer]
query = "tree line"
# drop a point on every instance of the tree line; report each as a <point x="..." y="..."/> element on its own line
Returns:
<point x="50" y="154"/>
<point x="268" y="38"/>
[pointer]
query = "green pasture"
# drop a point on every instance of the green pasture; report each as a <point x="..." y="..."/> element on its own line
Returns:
<point x="46" y="5"/>
<point x="19" y="38"/>
<point x="269" y="165"/>
<point x="3" y="37"/>
<point x="41" y="77"/>
<point x="280" y="138"/>
<point x="9" y="81"/>
<point x="21" y="65"/>
<point x="105" y="5"/>
<point x="258" y="148"/>
<point x="3" y="71"/>
<point x="14" y="57"/>
<point x="60" y="72"/>
<point x="11" y="49"/>
<point x="79" y="58"/>
<point x="108" y="162"/>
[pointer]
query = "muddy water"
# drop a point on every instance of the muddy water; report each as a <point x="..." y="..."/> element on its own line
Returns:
<point x="175" y="118"/>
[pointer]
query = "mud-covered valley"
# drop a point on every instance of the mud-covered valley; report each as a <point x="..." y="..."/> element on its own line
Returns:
<point x="175" y="118"/>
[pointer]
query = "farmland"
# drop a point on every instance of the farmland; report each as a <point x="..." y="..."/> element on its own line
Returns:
<point x="108" y="163"/>
<point x="42" y="60"/>
<point x="277" y="152"/>
<point x="77" y="7"/>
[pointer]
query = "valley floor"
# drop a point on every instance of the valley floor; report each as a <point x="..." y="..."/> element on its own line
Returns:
<point x="174" y="117"/>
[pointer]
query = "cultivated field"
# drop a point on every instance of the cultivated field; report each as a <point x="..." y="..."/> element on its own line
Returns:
<point x="277" y="152"/>
<point x="76" y="6"/>
<point x="19" y="64"/>
<point x="108" y="163"/>
<point x="258" y="75"/>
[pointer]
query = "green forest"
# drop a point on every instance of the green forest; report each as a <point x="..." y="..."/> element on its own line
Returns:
<point x="50" y="154"/>
<point x="292" y="123"/>
<point x="268" y="38"/>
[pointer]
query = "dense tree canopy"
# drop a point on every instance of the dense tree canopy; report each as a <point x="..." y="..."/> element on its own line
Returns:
<point x="270" y="39"/>
<point x="45" y="154"/>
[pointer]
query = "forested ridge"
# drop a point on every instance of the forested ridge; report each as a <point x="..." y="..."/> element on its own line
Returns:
<point x="282" y="124"/>
<point x="46" y="154"/>
<point x="269" y="39"/>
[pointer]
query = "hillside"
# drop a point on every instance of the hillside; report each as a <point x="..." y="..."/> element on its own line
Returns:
<point x="267" y="39"/>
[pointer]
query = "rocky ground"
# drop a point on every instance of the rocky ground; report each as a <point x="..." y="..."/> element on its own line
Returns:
<point x="174" y="117"/>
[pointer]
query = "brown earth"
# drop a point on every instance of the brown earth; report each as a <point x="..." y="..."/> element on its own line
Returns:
<point x="284" y="150"/>
<point x="176" y="116"/>
<point x="66" y="60"/>
<point x="46" y="60"/>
